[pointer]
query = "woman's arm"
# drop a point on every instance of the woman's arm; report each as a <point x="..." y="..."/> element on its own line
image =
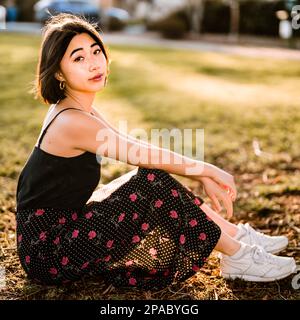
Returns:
<point x="97" y="136"/>
<point x="211" y="188"/>
<point x="109" y="125"/>
<point x="147" y="145"/>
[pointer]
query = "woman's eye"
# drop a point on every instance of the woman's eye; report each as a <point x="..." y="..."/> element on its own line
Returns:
<point x="97" y="51"/>
<point x="77" y="59"/>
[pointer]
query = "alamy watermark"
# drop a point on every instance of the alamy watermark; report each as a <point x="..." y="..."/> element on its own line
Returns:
<point x="296" y="279"/>
<point x="2" y="278"/>
<point x="295" y="14"/>
<point x="138" y="151"/>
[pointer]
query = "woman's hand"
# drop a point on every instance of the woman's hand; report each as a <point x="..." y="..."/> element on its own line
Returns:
<point x="223" y="178"/>
<point x="217" y="194"/>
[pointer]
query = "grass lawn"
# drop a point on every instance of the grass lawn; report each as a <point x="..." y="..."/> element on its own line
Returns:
<point x="236" y="100"/>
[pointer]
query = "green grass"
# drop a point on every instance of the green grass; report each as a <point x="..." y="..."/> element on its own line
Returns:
<point x="234" y="99"/>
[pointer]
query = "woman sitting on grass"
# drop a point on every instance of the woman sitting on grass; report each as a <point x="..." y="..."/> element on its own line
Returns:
<point x="150" y="231"/>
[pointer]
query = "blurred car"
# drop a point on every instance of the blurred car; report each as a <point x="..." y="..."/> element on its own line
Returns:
<point x="116" y="17"/>
<point x="88" y="8"/>
<point x="117" y="13"/>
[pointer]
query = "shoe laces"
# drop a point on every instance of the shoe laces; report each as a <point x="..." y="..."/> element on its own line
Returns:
<point x="261" y="256"/>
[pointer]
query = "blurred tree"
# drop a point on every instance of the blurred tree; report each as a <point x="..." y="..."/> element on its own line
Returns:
<point x="26" y="9"/>
<point x="195" y="12"/>
<point x="234" y="6"/>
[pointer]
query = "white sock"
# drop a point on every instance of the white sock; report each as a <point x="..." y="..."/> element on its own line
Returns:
<point x="239" y="232"/>
<point x="240" y="252"/>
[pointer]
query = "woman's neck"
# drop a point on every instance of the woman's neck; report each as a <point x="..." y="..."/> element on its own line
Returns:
<point x="84" y="103"/>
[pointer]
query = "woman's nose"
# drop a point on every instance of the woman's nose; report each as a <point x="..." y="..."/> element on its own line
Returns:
<point x="94" y="64"/>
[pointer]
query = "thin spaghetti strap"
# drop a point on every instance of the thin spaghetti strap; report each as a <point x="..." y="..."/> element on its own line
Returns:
<point x="44" y="131"/>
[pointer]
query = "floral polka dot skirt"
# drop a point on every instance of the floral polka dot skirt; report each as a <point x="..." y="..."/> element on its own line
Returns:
<point x="148" y="233"/>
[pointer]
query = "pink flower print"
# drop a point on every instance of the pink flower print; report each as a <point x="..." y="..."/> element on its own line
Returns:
<point x="92" y="234"/>
<point x="153" y="251"/>
<point x="88" y="215"/>
<point x="136" y="239"/>
<point x="43" y="236"/>
<point x="62" y="220"/>
<point x="197" y="201"/>
<point x="202" y="236"/>
<point x="145" y="226"/>
<point x="204" y="259"/>
<point x="64" y="261"/>
<point x="128" y="273"/>
<point x="109" y="243"/>
<point x="27" y="259"/>
<point x="129" y="263"/>
<point x="174" y="193"/>
<point x="98" y="260"/>
<point x="132" y="281"/>
<point x="173" y="214"/>
<point x="85" y="265"/>
<point x="56" y="240"/>
<point x="151" y="176"/>
<point x="158" y="203"/>
<point x="74" y="216"/>
<point x="153" y="271"/>
<point x="193" y="222"/>
<point x="195" y="268"/>
<point x="20" y="238"/>
<point x="75" y="233"/>
<point x="182" y="239"/>
<point x="133" y="197"/>
<point x="107" y="258"/>
<point x="121" y="217"/>
<point x="53" y="271"/>
<point x="135" y="216"/>
<point x="39" y="212"/>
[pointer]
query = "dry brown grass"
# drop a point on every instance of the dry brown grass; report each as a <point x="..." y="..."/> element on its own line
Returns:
<point x="206" y="284"/>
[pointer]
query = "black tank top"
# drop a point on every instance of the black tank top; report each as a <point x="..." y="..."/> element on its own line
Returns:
<point x="48" y="180"/>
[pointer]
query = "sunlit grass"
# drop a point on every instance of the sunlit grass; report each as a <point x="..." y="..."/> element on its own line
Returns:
<point x="234" y="99"/>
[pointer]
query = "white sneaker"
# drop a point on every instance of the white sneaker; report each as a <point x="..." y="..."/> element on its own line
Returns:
<point x="253" y="263"/>
<point x="272" y="244"/>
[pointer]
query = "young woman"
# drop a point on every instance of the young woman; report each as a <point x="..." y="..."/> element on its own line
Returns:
<point x="148" y="230"/>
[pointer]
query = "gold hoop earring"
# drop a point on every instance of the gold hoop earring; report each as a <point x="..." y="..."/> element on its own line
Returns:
<point x="62" y="85"/>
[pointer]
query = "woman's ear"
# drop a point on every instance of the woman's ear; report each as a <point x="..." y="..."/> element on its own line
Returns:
<point x="58" y="76"/>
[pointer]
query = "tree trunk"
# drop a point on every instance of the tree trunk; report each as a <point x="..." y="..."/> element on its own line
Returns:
<point x="195" y="11"/>
<point x="234" y="18"/>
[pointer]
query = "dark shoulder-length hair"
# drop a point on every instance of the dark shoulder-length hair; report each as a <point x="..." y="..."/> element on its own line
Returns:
<point x="57" y="35"/>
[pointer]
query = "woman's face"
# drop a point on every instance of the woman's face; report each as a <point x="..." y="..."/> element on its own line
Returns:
<point x="82" y="61"/>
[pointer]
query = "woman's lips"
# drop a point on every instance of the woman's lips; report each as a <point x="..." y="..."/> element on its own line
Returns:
<point x="97" y="77"/>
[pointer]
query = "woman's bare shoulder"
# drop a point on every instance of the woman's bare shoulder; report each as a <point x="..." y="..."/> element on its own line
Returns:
<point x="76" y="120"/>
<point x="63" y="130"/>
